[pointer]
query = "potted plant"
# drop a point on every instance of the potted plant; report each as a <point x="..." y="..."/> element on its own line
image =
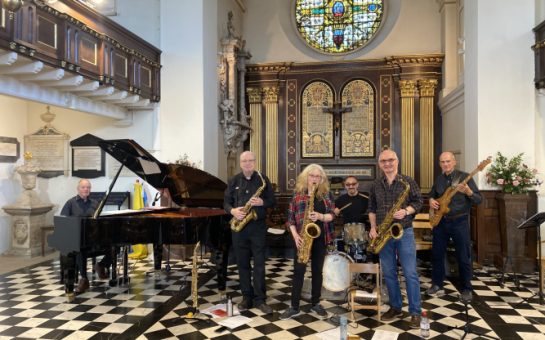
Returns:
<point x="514" y="179"/>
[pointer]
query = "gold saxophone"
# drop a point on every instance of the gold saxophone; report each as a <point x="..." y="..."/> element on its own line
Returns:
<point x="387" y="229"/>
<point x="309" y="232"/>
<point x="238" y="225"/>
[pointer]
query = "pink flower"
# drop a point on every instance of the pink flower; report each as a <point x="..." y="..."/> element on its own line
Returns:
<point x="516" y="183"/>
<point x="500" y="181"/>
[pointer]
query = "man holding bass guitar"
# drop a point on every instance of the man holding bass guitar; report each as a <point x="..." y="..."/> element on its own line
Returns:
<point x="451" y="198"/>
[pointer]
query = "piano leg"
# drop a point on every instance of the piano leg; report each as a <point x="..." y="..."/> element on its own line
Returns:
<point x="157" y="256"/>
<point x="68" y="275"/>
<point x="113" y="278"/>
<point x="222" y="261"/>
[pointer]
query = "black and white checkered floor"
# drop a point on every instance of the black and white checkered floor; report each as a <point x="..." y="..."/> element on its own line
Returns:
<point x="33" y="305"/>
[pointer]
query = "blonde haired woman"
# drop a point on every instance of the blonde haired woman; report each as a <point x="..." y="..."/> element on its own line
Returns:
<point x="313" y="177"/>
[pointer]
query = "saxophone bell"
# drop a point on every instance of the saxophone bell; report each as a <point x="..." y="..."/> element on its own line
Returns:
<point x="396" y="231"/>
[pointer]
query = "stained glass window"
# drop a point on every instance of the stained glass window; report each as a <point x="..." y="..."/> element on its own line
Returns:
<point x="334" y="26"/>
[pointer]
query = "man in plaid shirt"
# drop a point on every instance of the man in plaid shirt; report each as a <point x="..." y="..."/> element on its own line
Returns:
<point x="384" y="194"/>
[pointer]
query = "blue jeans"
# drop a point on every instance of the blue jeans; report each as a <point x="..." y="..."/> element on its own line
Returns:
<point x="458" y="230"/>
<point x="405" y="250"/>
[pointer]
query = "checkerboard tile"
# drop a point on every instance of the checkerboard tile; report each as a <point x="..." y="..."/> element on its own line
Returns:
<point x="33" y="305"/>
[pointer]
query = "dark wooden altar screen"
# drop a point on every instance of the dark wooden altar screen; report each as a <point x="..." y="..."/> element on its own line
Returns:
<point x="406" y="117"/>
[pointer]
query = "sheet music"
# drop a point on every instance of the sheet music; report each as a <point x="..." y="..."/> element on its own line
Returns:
<point x="148" y="167"/>
<point x="117" y="212"/>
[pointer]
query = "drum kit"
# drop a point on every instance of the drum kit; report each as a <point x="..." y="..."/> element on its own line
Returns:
<point x="350" y="248"/>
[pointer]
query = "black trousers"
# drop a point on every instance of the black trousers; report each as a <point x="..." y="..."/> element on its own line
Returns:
<point x="317" y="256"/>
<point x="249" y="242"/>
<point x="81" y="261"/>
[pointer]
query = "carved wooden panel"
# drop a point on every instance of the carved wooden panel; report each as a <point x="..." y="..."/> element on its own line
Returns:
<point x="72" y="36"/>
<point x="485" y="230"/>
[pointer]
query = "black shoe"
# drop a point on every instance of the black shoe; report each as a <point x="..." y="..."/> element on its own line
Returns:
<point x="264" y="308"/>
<point x="318" y="309"/>
<point x="289" y="313"/>
<point x="415" y="321"/>
<point x="245" y="304"/>
<point x="392" y="313"/>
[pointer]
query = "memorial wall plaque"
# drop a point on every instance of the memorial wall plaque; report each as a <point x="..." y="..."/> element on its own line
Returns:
<point x="358" y="127"/>
<point x="49" y="149"/>
<point x="88" y="158"/>
<point x="317" y="126"/>
<point x="9" y="149"/>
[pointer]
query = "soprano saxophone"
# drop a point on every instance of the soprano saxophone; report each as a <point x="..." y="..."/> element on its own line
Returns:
<point x="387" y="229"/>
<point x="195" y="281"/>
<point x="309" y="231"/>
<point x="238" y="225"/>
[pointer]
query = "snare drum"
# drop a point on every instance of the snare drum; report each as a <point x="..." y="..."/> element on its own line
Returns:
<point x="335" y="272"/>
<point x="354" y="233"/>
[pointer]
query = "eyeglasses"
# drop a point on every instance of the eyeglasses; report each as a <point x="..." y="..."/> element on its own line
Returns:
<point x="351" y="184"/>
<point x="247" y="160"/>
<point x="389" y="160"/>
<point x="315" y="176"/>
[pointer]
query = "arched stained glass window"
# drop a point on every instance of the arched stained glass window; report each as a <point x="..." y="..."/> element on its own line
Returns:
<point x="335" y="26"/>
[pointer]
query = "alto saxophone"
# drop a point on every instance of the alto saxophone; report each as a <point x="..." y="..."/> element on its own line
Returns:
<point x="238" y="225"/>
<point x="387" y="229"/>
<point x="309" y="232"/>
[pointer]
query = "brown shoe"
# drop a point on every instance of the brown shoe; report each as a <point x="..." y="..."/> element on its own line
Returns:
<point x="393" y="313"/>
<point x="83" y="285"/>
<point x="415" y="321"/>
<point x="101" y="271"/>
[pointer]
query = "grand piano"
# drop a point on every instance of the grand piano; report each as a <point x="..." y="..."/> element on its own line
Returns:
<point x="195" y="214"/>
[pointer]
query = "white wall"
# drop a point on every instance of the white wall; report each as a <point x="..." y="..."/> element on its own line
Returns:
<point x="142" y="17"/>
<point x="411" y="27"/>
<point x="499" y="71"/>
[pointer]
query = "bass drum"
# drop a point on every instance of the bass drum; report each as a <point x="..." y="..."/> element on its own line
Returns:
<point x="335" y="272"/>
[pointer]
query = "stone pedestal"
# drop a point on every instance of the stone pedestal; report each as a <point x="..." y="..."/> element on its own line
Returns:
<point x="29" y="215"/>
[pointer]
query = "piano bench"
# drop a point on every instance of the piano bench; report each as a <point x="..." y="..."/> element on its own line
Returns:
<point x="44" y="230"/>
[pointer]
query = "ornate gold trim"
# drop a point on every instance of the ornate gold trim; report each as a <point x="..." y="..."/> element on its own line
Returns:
<point x="409" y="60"/>
<point x="407" y="88"/>
<point x="427" y="87"/>
<point x="271" y="147"/>
<point x="254" y="95"/>
<point x="270" y="94"/>
<point x="426" y="143"/>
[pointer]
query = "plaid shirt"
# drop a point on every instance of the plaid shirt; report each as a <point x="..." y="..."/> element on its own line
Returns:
<point x="384" y="196"/>
<point x="296" y="214"/>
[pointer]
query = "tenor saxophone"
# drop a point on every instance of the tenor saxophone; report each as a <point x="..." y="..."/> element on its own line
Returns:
<point x="238" y="225"/>
<point x="387" y="229"/>
<point x="309" y="232"/>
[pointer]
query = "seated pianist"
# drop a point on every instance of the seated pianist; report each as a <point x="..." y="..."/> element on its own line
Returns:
<point x="82" y="205"/>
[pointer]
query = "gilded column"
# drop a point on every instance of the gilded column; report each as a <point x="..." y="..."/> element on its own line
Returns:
<point x="270" y="98"/>
<point x="254" y="98"/>
<point x="408" y="92"/>
<point x="427" y="94"/>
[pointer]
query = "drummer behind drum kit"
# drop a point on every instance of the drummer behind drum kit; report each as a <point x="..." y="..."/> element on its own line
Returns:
<point x="348" y="249"/>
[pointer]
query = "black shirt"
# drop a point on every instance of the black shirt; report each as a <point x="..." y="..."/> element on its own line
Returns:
<point x="355" y="213"/>
<point x="240" y="190"/>
<point x="460" y="203"/>
<point x="77" y="206"/>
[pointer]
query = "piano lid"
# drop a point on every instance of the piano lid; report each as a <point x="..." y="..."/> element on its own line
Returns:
<point x="187" y="186"/>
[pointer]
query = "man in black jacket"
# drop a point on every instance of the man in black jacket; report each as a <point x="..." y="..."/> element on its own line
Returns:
<point x="250" y="241"/>
<point x="453" y="225"/>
